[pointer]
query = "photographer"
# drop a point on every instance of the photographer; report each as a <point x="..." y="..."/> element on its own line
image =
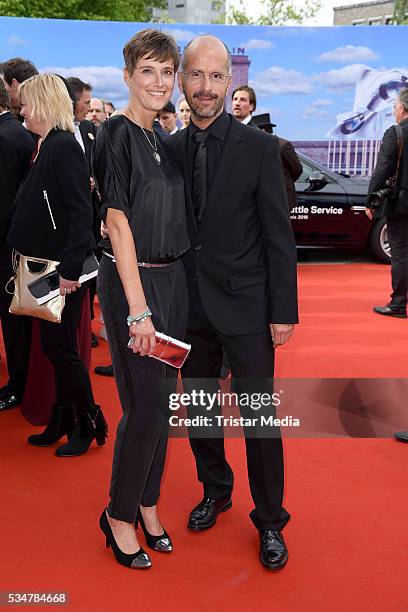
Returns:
<point x="396" y="211"/>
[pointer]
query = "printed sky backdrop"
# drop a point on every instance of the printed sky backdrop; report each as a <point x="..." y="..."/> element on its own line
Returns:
<point x="317" y="83"/>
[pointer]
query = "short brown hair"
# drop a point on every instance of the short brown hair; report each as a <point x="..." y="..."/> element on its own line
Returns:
<point x="78" y="86"/>
<point x="4" y="97"/>
<point x="19" y="69"/>
<point x="154" y="44"/>
<point x="250" y="92"/>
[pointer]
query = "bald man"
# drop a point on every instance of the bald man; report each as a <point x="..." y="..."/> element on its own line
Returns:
<point x="241" y="273"/>
<point x="96" y="112"/>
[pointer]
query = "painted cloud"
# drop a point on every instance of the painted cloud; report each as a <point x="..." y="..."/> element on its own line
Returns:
<point x="341" y="79"/>
<point x="347" y="54"/>
<point x="277" y="80"/>
<point x="107" y="81"/>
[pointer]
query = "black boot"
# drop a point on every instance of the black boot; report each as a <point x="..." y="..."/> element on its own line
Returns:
<point x="61" y="423"/>
<point x="91" y="425"/>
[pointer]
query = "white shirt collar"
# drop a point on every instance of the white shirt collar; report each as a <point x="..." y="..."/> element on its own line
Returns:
<point x="246" y="120"/>
<point x="78" y="136"/>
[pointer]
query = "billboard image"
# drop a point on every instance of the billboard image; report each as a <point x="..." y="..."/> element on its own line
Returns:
<point x="329" y="90"/>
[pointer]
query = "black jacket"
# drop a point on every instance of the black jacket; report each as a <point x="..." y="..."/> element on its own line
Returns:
<point x="243" y="257"/>
<point x="88" y="133"/>
<point x="387" y="164"/>
<point x="16" y="149"/>
<point x="52" y="211"/>
<point x="292" y="169"/>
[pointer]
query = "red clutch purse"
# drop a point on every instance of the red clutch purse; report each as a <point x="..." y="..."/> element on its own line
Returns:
<point x="170" y="351"/>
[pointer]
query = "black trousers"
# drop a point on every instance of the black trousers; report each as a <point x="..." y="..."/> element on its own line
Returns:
<point x="59" y="343"/>
<point x="16" y="332"/>
<point x="397" y="227"/>
<point x="143" y="383"/>
<point x="250" y="357"/>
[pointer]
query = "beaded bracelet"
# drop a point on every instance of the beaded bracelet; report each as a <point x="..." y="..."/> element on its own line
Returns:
<point x="137" y="319"/>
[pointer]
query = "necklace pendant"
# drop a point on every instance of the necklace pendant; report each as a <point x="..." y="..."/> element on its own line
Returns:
<point x="157" y="157"/>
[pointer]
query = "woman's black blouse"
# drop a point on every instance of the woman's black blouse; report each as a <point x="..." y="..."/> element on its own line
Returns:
<point x="151" y="195"/>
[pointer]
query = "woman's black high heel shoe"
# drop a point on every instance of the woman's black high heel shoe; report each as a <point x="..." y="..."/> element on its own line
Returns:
<point x="138" y="560"/>
<point x="161" y="543"/>
<point x="93" y="426"/>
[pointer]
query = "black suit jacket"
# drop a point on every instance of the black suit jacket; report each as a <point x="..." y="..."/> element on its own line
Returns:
<point x="243" y="257"/>
<point x="292" y="169"/>
<point x="252" y="124"/>
<point x="16" y="149"/>
<point x="88" y="133"/>
<point x="387" y="164"/>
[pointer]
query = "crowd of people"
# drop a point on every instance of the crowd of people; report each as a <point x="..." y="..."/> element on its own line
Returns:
<point x="150" y="190"/>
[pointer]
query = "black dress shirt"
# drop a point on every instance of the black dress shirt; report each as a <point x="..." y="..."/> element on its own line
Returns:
<point x="218" y="133"/>
<point x="150" y="195"/>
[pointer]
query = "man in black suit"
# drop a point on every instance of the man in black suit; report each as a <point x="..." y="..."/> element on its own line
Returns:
<point x="15" y="71"/>
<point x="16" y="149"/>
<point x="292" y="167"/>
<point x="85" y="133"/>
<point x="244" y="104"/>
<point x="397" y="210"/>
<point x="241" y="274"/>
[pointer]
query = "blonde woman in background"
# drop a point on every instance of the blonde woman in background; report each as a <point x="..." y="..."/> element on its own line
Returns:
<point x="53" y="220"/>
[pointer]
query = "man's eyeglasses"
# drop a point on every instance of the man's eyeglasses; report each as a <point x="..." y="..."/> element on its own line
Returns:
<point x="199" y="75"/>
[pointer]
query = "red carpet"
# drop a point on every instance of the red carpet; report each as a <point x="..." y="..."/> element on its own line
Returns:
<point x="347" y="538"/>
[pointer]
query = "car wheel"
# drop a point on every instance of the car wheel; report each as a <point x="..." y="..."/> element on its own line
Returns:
<point x="379" y="242"/>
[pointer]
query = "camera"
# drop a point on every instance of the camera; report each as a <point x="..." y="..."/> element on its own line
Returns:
<point x="389" y="192"/>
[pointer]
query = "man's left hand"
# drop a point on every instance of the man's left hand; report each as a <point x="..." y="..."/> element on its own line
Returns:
<point x="369" y="213"/>
<point x="281" y="332"/>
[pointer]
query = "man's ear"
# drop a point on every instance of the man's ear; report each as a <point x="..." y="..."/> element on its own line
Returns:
<point x="229" y="81"/>
<point x="15" y="84"/>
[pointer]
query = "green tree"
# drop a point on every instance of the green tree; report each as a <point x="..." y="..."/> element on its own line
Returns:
<point x="274" y="12"/>
<point x="111" y="10"/>
<point x="401" y="12"/>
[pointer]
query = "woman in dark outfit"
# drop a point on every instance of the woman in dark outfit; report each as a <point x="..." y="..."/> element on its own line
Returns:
<point x="141" y="288"/>
<point x="53" y="220"/>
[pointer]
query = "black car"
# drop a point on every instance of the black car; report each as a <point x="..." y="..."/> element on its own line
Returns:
<point x="330" y="212"/>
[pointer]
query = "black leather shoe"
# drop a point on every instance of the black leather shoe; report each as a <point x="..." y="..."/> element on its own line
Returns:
<point x="161" y="543"/>
<point x="138" y="560"/>
<point x="61" y="423"/>
<point x="9" y="401"/>
<point x="390" y="311"/>
<point x="94" y="340"/>
<point x="402" y="436"/>
<point x="5" y="391"/>
<point x="204" y="515"/>
<point x="273" y="551"/>
<point x="104" y="370"/>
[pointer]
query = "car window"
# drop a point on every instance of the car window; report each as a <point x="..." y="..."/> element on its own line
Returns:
<point x="307" y="171"/>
